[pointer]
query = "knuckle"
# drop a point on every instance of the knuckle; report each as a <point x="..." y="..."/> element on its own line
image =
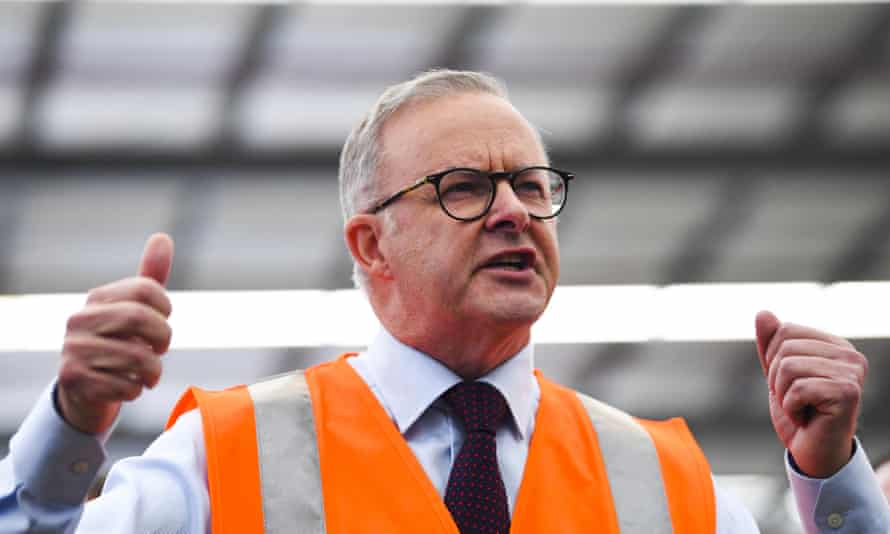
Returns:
<point x="167" y="335"/>
<point x="99" y="294"/>
<point x="69" y="377"/>
<point x="121" y="357"/>
<point x="797" y="388"/>
<point x="849" y="390"/>
<point x="144" y="289"/>
<point x="135" y="317"/>
<point x="784" y="331"/>
<point x="167" y="304"/>
<point x="850" y="355"/>
<point x="131" y="392"/>
<point x="152" y="373"/>
<point x="76" y="346"/>
<point x="783" y="349"/>
<point x="77" y="320"/>
<point x="788" y="366"/>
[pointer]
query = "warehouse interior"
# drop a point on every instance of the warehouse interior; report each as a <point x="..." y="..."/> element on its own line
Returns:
<point x="712" y="142"/>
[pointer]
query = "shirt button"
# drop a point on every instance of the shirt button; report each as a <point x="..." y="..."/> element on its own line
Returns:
<point x="835" y="520"/>
<point x="79" y="467"/>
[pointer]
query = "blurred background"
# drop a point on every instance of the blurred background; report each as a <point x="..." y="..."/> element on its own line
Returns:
<point x="712" y="143"/>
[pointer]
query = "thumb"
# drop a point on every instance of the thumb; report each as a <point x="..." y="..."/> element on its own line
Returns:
<point x="157" y="258"/>
<point x="765" y="326"/>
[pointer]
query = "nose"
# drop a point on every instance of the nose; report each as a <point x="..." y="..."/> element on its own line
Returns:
<point x="507" y="213"/>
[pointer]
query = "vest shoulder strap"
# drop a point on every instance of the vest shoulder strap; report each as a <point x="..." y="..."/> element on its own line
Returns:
<point x="231" y="450"/>
<point x="290" y="472"/>
<point x="269" y="424"/>
<point x="659" y="477"/>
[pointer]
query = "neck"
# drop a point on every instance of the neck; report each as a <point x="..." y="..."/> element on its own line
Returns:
<point x="472" y="353"/>
<point x="470" y="346"/>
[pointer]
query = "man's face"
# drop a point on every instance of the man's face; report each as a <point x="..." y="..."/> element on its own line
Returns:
<point x="496" y="271"/>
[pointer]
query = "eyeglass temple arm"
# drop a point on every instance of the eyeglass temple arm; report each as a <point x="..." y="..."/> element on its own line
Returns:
<point x="398" y="194"/>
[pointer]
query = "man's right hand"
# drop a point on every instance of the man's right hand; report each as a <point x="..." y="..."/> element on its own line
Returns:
<point x="113" y="345"/>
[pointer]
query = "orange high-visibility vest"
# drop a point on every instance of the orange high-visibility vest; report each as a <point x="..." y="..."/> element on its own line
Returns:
<point x="314" y="451"/>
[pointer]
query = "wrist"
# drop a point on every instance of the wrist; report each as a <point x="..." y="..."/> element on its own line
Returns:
<point x="824" y="467"/>
<point x="78" y="417"/>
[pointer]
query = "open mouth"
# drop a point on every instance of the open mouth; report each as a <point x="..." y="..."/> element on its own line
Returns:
<point x="511" y="261"/>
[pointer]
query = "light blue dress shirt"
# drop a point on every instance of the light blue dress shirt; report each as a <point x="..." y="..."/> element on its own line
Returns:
<point x="164" y="491"/>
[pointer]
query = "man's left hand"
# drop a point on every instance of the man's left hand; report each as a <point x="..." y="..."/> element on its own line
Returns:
<point x="815" y="385"/>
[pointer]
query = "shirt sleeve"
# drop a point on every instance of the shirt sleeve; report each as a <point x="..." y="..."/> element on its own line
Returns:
<point x="162" y="491"/>
<point x="50" y="467"/>
<point x="733" y="517"/>
<point x="48" y="472"/>
<point x="848" y="502"/>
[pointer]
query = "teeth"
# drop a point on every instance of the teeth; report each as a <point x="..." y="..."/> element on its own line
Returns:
<point x="511" y="258"/>
<point x="513" y="261"/>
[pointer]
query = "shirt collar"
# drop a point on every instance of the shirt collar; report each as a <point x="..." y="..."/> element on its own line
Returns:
<point x="409" y="381"/>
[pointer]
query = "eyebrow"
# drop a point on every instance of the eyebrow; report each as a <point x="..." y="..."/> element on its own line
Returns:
<point x="482" y="168"/>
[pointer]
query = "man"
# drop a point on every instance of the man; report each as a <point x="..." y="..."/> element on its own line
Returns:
<point x="440" y="425"/>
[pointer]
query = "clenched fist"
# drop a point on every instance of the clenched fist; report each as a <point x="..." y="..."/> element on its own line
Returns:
<point x="815" y="385"/>
<point x="113" y="345"/>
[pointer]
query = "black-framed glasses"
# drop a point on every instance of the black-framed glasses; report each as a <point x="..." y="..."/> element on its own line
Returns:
<point x="467" y="194"/>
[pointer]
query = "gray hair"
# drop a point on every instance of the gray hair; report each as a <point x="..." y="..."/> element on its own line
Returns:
<point x="362" y="153"/>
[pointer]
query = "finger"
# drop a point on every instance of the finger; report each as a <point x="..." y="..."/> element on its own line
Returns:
<point x="85" y="386"/>
<point x="157" y="258"/>
<point x="794" y="368"/>
<point x="810" y="396"/>
<point x="132" y="360"/>
<point x="765" y="326"/>
<point x="788" y="331"/>
<point x="123" y="320"/>
<point x="136" y="288"/>
<point x="105" y="387"/>
<point x="814" y="350"/>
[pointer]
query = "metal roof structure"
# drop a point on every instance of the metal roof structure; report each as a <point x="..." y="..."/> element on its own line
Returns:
<point x="713" y="143"/>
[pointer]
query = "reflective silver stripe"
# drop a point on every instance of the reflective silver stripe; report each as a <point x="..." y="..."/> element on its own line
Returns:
<point x="633" y="470"/>
<point x="290" y="475"/>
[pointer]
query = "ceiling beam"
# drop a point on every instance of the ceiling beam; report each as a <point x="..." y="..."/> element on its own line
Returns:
<point x="663" y="55"/>
<point x="51" y="28"/>
<point x="865" y="249"/>
<point x="12" y="202"/>
<point x="705" y="242"/>
<point x="866" y="51"/>
<point x="245" y="70"/>
<point x="191" y="216"/>
<point x="459" y="47"/>
<point x="800" y="159"/>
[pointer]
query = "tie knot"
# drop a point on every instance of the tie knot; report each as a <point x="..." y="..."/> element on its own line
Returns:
<point x="479" y="405"/>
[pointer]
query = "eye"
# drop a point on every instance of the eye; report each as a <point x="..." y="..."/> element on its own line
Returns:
<point x="531" y="188"/>
<point x="461" y="185"/>
<point x="532" y="184"/>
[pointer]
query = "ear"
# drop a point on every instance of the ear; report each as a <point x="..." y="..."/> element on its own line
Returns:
<point x="362" y="233"/>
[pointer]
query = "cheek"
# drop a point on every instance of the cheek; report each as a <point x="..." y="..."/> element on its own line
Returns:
<point x="549" y="243"/>
<point x="418" y="260"/>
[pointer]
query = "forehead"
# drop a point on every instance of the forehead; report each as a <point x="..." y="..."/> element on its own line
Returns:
<point x="472" y="129"/>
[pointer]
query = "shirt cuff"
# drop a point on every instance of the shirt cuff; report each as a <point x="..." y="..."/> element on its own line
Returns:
<point x="850" y="501"/>
<point x="54" y="462"/>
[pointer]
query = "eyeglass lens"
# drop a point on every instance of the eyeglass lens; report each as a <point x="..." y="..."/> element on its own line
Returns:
<point x="466" y="194"/>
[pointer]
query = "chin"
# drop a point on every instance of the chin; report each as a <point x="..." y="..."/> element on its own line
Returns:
<point x="513" y="309"/>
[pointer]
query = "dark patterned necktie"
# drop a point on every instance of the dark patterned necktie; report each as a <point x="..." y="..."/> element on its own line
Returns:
<point x="476" y="496"/>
